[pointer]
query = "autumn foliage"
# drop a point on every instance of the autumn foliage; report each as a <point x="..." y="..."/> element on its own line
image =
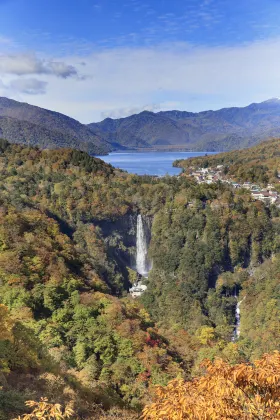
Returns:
<point x="243" y="391"/>
<point x="47" y="411"/>
<point x="69" y="331"/>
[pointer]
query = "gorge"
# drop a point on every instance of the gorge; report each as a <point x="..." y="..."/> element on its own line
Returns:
<point x="139" y="210"/>
<point x="75" y="235"/>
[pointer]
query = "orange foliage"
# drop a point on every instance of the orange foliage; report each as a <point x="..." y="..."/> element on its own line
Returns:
<point x="244" y="391"/>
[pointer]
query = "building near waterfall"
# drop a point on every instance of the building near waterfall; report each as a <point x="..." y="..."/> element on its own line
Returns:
<point x="137" y="290"/>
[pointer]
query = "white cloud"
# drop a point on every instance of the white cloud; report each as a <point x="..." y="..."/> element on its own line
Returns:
<point x="29" y="86"/>
<point x="25" y="64"/>
<point x="122" y="112"/>
<point x="188" y="70"/>
<point x="131" y="110"/>
<point x="122" y="80"/>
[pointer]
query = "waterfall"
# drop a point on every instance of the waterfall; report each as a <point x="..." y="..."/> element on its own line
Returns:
<point x="142" y="262"/>
<point x="237" y="320"/>
<point x="236" y="333"/>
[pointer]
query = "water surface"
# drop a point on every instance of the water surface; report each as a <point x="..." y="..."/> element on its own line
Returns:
<point x="149" y="163"/>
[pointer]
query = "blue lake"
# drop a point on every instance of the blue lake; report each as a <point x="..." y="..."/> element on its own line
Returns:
<point x="149" y="163"/>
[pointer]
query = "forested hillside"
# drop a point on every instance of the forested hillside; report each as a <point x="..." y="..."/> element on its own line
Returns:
<point x="207" y="243"/>
<point x="34" y="126"/>
<point x="72" y="333"/>
<point x="260" y="163"/>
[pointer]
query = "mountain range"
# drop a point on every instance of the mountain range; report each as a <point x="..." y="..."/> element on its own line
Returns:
<point x="222" y="130"/>
<point x="28" y="124"/>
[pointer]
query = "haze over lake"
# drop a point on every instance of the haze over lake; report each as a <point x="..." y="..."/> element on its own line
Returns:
<point x="149" y="163"/>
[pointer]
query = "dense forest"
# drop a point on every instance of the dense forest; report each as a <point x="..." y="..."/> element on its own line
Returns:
<point x="70" y="332"/>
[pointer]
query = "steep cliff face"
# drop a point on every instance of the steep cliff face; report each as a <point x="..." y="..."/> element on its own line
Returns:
<point x="127" y="240"/>
<point x="120" y="237"/>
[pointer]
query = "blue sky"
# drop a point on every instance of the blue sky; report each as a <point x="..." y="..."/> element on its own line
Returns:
<point x="92" y="59"/>
<point x="111" y="23"/>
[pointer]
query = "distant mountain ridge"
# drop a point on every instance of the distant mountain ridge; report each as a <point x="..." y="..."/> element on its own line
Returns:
<point x="222" y="130"/>
<point x="28" y="124"/>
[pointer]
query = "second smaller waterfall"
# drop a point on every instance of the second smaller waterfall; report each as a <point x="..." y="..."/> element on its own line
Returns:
<point x="237" y="320"/>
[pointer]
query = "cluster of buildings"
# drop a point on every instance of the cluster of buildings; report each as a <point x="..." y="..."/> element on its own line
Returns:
<point x="210" y="175"/>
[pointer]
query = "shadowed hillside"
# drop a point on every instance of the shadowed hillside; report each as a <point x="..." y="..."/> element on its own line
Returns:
<point x="28" y="124"/>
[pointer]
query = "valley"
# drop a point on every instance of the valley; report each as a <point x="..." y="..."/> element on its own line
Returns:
<point x="74" y="233"/>
<point x="139" y="210"/>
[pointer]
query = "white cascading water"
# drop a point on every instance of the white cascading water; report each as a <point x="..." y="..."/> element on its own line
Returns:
<point x="143" y="265"/>
<point x="237" y="320"/>
<point x="141" y="249"/>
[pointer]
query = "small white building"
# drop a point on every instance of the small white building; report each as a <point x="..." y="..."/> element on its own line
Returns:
<point x="204" y="170"/>
<point x="137" y="289"/>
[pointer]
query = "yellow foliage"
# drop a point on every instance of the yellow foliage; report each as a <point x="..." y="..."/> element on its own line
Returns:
<point x="243" y="391"/>
<point x="47" y="411"/>
<point x="206" y="334"/>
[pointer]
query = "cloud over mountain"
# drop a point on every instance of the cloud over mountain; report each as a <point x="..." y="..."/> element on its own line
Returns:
<point x="122" y="81"/>
<point x="119" y="113"/>
<point x="29" y="86"/>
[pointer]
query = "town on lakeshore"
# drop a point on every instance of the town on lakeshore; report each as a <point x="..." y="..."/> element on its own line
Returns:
<point x="266" y="194"/>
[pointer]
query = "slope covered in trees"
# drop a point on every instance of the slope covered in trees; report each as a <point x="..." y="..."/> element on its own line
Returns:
<point x="194" y="244"/>
<point x="58" y="281"/>
<point x="32" y="125"/>
<point x="56" y="290"/>
<point x="257" y="164"/>
<point x="65" y="273"/>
